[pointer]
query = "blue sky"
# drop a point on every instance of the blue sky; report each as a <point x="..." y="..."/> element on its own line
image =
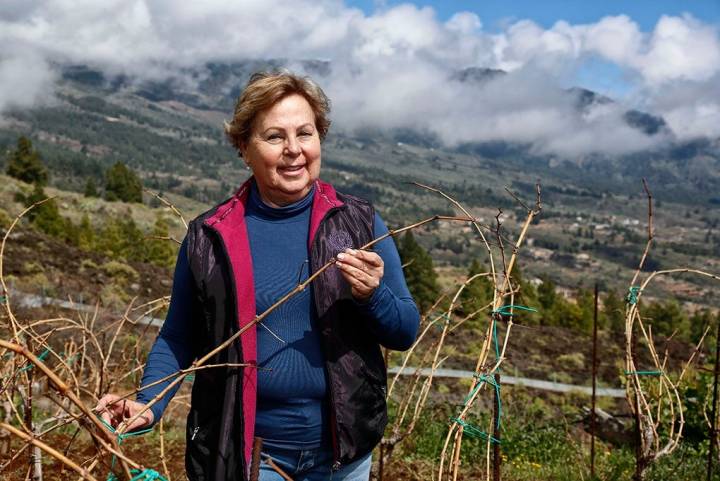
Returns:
<point x="495" y="13"/>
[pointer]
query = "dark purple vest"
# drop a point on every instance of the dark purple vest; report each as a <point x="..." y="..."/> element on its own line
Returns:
<point x="222" y="416"/>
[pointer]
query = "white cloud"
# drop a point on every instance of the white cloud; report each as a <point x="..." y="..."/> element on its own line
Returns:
<point x="466" y="23"/>
<point x="618" y="39"/>
<point x="389" y="69"/>
<point x="681" y="48"/>
<point x="691" y="108"/>
<point x="25" y="79"/>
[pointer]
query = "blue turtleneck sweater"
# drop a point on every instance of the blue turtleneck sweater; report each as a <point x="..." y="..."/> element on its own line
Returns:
<point x="292" y="409"/>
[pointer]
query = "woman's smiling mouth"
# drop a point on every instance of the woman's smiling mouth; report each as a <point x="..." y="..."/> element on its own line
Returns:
<point x="292" y="169"/>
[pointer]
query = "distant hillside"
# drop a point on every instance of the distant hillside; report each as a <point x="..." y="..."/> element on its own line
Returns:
<point x="688" y="171"/>
<point x="592" y="225"/>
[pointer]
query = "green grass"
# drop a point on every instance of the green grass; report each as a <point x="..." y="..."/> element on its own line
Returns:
<point x="543" y="440"/>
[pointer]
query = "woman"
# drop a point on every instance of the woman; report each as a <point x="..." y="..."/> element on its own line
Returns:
<point x="317" y="396"/>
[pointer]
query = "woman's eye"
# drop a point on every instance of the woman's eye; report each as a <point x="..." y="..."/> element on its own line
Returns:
<point x="274" y="137"/>
<point x="305" y="134"/>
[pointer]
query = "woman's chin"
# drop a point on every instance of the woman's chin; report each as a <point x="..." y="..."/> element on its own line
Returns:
<point x="295" y="190"/>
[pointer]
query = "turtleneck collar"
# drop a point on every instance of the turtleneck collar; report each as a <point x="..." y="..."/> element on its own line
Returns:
<point x="256" y="205"/>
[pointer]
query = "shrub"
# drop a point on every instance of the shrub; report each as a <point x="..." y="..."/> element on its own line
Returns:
<point x="25" y="163"/>
<point x="120" y="272"/>
<point x="575" y="360"/>
<point x="121" y="183"/>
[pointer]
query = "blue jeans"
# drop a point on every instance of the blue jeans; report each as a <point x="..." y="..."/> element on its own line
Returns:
<point x="312" y="465"/>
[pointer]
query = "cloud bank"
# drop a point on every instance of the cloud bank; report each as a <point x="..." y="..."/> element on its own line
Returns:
<point x="393" y="68"/>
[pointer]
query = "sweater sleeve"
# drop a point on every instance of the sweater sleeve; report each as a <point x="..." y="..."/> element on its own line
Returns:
<point x="172" y="350"/>
<point x="392" y="314"/>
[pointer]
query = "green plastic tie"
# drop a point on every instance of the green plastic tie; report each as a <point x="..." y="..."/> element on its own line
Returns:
<point x="643" y="373"/>
<point x="121" y="437"/>
<point x="472" y="393"/>
<point x="487" y="378"/>
<point x="507" y="309"/>
<point x="490" y="380"/>
<point x="632" y="296"/>
<point x="190" y="378"/>
<point x="441" y="325"/>
<point x="3" y="299"/>
<point x="497" y="357"/>
<point x="41" y="357"/>
<point x="495" y="340"/>
<point x="475" y="432"/>
<point x="138" y="474"/>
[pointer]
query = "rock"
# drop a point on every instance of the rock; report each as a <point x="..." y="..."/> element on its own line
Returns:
<point x="609" y="428"/>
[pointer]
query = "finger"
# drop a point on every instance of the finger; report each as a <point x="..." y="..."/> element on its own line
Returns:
<point x="103" y="402"/>
<point x="356" y="272"/>
<point x="352" y="279"/>
<point x="352" y="273"/>
<point x="145" y="419"/>
<point x="105" y="416"/>
<point x="351" y="259"/>
<point x="348" y="258"/>
<point x="369" y="257"/>
<point x="371" y="275"/>
<point x="358" y="289"/>
<point x="104" y="406"/>
<point x="110" y="402"/>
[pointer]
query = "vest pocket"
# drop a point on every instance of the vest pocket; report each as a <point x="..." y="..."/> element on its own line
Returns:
<point x="201" y="435"/>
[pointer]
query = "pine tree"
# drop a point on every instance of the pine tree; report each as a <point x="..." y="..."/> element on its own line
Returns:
<point x="614" y="311"/>
<point x="91" y="188"/>
<point x="161" y="252"/>
<point x="478" y="293"/>
<point x="667" y="318"/>
<point x="526" y="296"/>
<point x="701" y="320"/>
<point x="45" y="216"/>
<point x="110" y="240"/>
<point x="567" y="314"/>
<point x="121" y="183"/>
<point x="586" y="305"/>
<point x="135" y="248"/>
<point x="555" y="310"/>
<point x="546" y="295"/>
<point x="419" y="272"/>
<point x="86" y="234"/>
<point x="24" y="163"/>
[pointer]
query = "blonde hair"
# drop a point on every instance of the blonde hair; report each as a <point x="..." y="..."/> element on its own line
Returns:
<point x="262" y="91"/>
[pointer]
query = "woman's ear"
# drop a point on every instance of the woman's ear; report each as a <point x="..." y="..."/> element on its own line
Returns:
<point x="242" y="151"/>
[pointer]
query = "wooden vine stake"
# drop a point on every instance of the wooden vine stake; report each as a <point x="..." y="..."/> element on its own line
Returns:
<point x="504" y="293"/>
<point x="659" y="418"/>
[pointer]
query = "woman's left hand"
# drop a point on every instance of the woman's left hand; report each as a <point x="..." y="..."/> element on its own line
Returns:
<point x="363" y="270"/>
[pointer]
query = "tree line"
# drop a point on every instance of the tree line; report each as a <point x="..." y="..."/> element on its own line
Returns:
<point x="118" y="238"/>
<point x="668" y="317"/>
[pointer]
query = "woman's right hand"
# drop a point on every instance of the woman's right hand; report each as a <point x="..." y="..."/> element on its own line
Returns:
<point x="114" y="410"/>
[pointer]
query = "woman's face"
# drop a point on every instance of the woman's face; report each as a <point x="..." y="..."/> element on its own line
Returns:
<point x="284" y="151"/>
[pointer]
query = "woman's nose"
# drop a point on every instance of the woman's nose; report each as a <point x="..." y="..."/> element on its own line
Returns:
<point x="292" y="146"/>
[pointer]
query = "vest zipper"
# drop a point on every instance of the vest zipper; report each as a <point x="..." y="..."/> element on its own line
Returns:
<point x="333" y="416"/>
